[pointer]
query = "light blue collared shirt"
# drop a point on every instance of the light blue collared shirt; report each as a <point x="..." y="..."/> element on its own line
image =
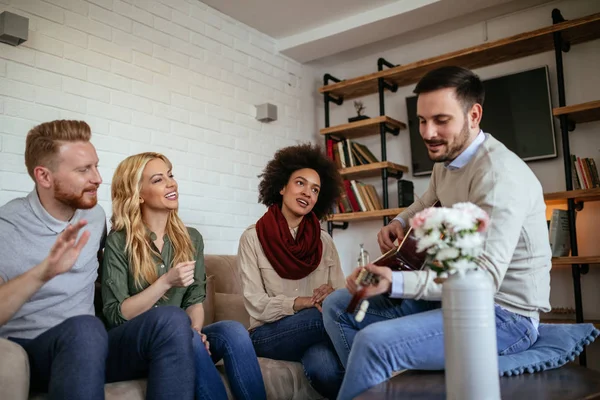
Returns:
<point x="466" y="156"/>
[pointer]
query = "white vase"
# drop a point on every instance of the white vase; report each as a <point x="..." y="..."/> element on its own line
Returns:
<point x="470" y="349"/>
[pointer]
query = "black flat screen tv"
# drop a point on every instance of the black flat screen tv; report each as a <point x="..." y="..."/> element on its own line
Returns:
<point x="517" y="111"/>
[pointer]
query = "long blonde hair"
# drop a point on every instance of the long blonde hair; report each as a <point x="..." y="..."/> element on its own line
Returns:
<point x="127" y="215"/>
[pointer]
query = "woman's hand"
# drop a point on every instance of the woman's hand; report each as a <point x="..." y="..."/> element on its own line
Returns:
<point x="204" y="339"/>
<point x="320" y="293"/>
<point x="181" y="275"/>
<point x="206" y="342"/>
<point x="302" y="302"/>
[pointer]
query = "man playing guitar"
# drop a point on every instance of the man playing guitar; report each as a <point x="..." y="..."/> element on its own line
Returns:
<point x="470" y="166"/>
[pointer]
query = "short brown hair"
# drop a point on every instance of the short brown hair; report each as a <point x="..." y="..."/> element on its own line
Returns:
<point x="44" y="140"/>
<point x="467" y="85"/>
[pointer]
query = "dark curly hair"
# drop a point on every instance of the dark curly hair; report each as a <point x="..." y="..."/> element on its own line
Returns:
<point x="286" y="161"/>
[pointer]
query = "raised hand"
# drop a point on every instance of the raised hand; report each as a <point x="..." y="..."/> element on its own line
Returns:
<point x="181" y="275"/>
<point x="389" y="233"/>
<point x="65" y="251"/>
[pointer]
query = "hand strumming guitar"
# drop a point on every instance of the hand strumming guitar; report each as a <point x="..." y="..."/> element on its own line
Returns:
<point x="389" y="233"/>
<point x="384" y="284"/>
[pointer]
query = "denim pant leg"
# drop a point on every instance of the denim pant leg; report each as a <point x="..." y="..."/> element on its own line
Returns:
<point x="229" y="340"/>
<point x="378" y="350"/>
<point x="514" y="333"/>
<point x="158" y="345"/>
<point x="209" y="385"/>
<point x="68" y="361"/>
<point x="413" y="340"/>
<point x="342" y="327"/>
<point x="292" y="339"/>
<point x="323" y="369"/>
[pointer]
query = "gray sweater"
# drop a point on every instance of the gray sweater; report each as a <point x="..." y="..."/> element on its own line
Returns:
<point x="517" y="250"/>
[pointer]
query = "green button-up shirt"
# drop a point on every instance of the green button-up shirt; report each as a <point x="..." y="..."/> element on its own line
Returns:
<point x="118" y="283"/>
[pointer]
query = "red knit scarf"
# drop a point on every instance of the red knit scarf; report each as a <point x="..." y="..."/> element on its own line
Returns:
<point x="291" y="258"/>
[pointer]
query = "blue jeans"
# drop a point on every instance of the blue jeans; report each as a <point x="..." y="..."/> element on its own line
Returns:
<point x="74" y="359"/>
<point x="402" y="334"/>
<point x="302" y="337"/>
<point x="230" y="342"/>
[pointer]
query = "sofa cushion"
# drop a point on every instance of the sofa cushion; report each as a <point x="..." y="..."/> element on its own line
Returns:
<point x="231" y="307"/>
<point x="209" y="301"/>
<point x="14" y="371"/>
<point x="225" y="271"/>
<point x="557" y="344"/>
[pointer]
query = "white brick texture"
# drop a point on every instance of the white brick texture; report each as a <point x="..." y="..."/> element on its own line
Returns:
<point x="171" y="76"/>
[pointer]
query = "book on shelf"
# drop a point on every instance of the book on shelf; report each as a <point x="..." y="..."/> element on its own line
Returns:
<point x="584" y="173"/>
<point x="357" y="197"/>
<point x="560" y="241"/>
<point x="347" y="153"/>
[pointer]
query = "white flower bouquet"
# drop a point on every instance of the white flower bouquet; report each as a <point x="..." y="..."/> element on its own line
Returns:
<point x="452" y="237"/>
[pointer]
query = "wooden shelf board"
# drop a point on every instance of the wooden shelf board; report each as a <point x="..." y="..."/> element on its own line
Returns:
<point x="525" y="44"/>
<point x="580" y="113"/>
<point x="575" y="260"/>
<point x="365" y="127"/>
<point x="567" y="321"/>
<point x="371" y="170"/>
<point x="365" y="215"/>
<point x="578" y="195"/>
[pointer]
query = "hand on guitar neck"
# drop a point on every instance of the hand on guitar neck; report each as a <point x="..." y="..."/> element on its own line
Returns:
<point x="381" y="284"/>
<point x="376" y="278"/>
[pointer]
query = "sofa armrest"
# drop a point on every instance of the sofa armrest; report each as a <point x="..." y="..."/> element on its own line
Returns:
<point x="14" y="371"/>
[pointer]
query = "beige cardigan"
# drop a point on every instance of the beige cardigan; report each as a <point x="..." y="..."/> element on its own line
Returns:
<point x="267" y="296"/>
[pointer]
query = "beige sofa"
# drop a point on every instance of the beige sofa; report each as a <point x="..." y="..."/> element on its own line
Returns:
<point x="283" y="380"/>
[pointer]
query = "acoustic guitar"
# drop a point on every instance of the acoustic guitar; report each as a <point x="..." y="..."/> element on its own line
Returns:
<point x="404" y="257"/>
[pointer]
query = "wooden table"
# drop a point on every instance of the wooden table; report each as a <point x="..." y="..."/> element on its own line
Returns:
<point x="569" y="382"/>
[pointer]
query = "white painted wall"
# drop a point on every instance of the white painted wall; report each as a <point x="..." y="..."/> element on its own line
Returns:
<point x="582" y="84"/>
<point x="173" y="76"/>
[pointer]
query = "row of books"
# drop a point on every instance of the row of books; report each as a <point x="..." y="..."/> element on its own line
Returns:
<point x="357" y="196"/>
<point x="348" y="153"/>
<point x="584" y="173"/>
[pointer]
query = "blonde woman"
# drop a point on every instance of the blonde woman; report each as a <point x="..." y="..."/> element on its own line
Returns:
<point x="152" y="259"/>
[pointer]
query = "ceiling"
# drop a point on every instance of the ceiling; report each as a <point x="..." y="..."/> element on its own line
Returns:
<point x="309" y="30"/>
<point x="281" y="18"/>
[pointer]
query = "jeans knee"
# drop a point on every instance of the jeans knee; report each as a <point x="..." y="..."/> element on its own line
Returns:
<point x="233" y="333"/>
<point x="369" y="340"/>
<point x="335" y="303"/>
<point x="171" y="320"/>
<point x="85" y="334"/>
<point x="234" y="328"/>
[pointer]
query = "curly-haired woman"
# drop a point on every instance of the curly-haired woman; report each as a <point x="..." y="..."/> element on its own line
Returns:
<point x="152" y="259"/>
<point x="289" y="265"/>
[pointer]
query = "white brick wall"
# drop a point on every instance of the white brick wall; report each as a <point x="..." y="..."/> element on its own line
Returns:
<point x="172" y="76"/>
